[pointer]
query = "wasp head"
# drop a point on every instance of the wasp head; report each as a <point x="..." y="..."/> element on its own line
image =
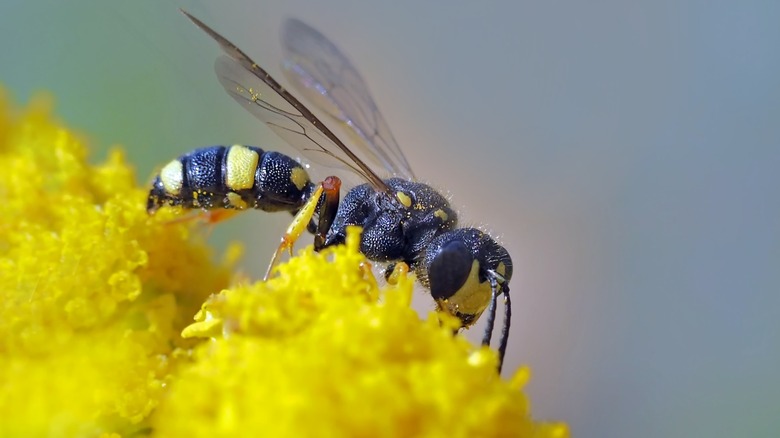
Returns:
<point x="464" y="269"/>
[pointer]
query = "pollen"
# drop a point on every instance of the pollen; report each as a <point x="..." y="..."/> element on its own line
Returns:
<point x="235" y="200"/>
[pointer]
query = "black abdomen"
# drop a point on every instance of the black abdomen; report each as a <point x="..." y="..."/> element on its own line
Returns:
<point x="235" y="177"/>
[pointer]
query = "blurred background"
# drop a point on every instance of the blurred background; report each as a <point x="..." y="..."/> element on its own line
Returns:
<point x="626" y="153"/>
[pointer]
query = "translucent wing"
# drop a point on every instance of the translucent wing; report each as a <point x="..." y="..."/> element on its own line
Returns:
<point x="325" y="76"/>
<point x="260" y="94"/>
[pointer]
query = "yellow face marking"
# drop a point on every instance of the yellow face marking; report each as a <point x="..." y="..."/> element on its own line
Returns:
<point x="406" y="201"/>
<point x="299" y="177"/>
<point x="241" y="166"/>
<point x="441" y="214"/>
<point x="472" y="298"/>
<point x="172" y="177"/>
<point x="235" y="201"/>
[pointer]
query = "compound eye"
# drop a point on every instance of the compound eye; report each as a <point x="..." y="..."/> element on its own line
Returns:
<point x="450" y="269"/>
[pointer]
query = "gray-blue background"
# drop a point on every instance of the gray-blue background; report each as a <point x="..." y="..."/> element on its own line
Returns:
<point x="625" y="151"/>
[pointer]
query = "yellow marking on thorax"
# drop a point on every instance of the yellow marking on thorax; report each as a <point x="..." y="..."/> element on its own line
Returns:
<point x="406" y="201"/>
<point x="472" y="298"/>
<point x="172" y="177"/>
<point x="241" y="166"/>
<point x="441" y="214"/>
<point x="299" y="177"/>
<point x="236" y="201"/>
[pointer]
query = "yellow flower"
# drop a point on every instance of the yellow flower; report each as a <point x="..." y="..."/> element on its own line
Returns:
<point x="95" y="295"/>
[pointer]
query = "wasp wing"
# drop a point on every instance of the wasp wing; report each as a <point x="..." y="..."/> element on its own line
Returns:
<point x="326" y="77"/>
<point x="258" y="92"/>
<point x="254" y="95"/>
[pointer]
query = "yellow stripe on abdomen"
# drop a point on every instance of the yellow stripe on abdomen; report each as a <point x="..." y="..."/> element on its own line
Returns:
<point x="241" y="165"/>
<point x="172" y="177"/>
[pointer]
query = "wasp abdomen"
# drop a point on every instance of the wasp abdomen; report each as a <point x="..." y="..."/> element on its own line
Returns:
<point x="234" y="177"/>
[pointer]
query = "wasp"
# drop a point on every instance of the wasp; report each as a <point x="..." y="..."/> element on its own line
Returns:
<point x="403" y="221"/>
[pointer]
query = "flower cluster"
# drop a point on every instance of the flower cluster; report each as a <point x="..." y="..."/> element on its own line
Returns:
<point x="96" y="336"/>
<point x="93" y="294"/>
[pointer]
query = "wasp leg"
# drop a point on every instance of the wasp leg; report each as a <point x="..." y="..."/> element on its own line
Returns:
<point x="294" y="231"/>
<point x="330" y="205"/>
<point x="302" y="219"/>
<point x="209" y="217"/>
